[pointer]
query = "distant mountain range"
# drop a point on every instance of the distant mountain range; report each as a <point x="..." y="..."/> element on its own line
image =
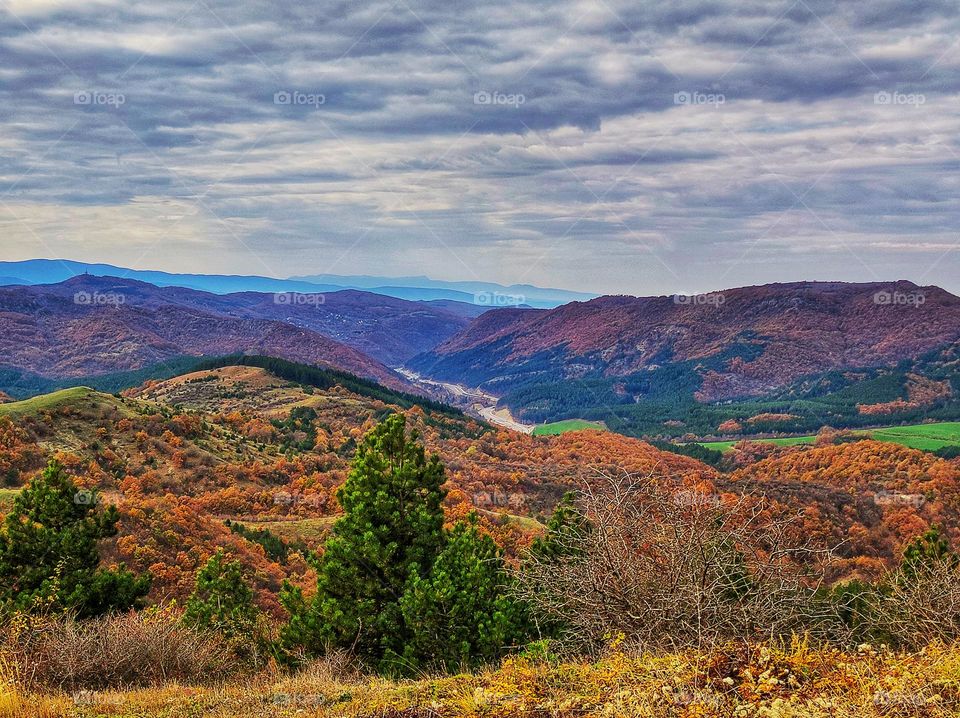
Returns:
<point x="477" y="295"/>
<point x="755" y="360"/>
<point x="648" y="365"/>
<point x="771" y="334"/>
<point x="91" y="325"/>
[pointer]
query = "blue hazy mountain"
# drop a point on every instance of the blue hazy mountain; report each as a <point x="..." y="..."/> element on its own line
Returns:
<point x="474" y="292"/>
<point x="479" y="294"/>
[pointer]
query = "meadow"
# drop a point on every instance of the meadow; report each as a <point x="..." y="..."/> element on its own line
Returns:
<point x="560" y="427"/>
<point x="926" y="437"/>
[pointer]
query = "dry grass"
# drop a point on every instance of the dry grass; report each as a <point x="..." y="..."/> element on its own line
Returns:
<point x="759" y="681"/>
<point x="147" y="648"/>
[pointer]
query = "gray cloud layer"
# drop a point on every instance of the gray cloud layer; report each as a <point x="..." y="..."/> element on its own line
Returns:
<point x="607" y="146"/>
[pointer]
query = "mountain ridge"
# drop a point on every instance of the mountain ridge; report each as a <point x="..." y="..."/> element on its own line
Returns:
<point x="483" y="294"/>
<point x="389" y="330"/>
<point x="86" y="326"/>
<point x="780" y="331"/>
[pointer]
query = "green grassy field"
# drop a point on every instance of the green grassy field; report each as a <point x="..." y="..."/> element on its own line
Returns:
<point x="559" y="427"/>
<point x="46" y="401"/>
<point x="928" y="437"/>
<point x="786" y="441"/>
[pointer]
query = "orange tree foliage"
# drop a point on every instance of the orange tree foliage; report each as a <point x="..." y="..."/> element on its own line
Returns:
<point x="17" y="452"/>
<point x="177" y="475"/>
<point x="869" y="497"/>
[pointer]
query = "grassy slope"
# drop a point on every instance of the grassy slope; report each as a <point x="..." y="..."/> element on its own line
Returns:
<point x="928" y="437"/>
<point x="53" y="400"/>
<point x="786" y="441"/>
<point x="761" y="682"/>
<point x="559" y="427"/>
<point x="82" y="409"/>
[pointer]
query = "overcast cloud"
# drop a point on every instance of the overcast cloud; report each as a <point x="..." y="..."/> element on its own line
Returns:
<point x="610" y="146"/>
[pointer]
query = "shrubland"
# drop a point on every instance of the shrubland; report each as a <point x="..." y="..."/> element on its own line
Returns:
<point x="453" y="569"/>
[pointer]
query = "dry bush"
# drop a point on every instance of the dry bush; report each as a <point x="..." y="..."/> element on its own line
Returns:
<point x="915" y="608"/>
<point x="663" y="569"/>
<point x="121" y="650"/>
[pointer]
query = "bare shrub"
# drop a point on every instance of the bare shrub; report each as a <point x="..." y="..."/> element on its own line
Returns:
<point x="114" y="651"/>
<point x="916" y="607"/>
<point x="664" y="569"/>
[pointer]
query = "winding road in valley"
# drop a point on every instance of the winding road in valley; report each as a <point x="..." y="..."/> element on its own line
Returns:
<point x="478" y="401"/>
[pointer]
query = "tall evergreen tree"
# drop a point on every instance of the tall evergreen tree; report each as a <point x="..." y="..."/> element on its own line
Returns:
<point x="390" y="534"/>
<point x="460" y="613"/>
<point x="222" y="600"/>
<point x="49" y="555"/>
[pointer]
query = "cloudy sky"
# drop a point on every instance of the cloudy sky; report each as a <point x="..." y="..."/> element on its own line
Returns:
<point x="613" y="146"/>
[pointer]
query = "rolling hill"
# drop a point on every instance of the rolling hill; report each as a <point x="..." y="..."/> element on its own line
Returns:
<point x="387" y="329"/>
<point x="769" y="336"/>
<point x="649" y="366"/>
<point x="125" y="325"/>
<point x="182" y="456"/>
<point x="239" y="443"/>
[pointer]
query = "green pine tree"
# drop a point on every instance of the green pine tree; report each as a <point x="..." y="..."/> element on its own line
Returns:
<point x="562" y="541"/>
<point x="222" y="600"/>
<point x="566" y="527"/>
<point x="390" y="533"/>
<point x="49" y="555"/>
<point x="460" y="614"/>
<point x="924" y="550"/>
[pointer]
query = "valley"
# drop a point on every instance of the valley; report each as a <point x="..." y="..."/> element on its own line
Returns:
<point x="476" y="401"/>
<point x="383" y="359"/>
<point x="254" y="454"/>
<point x="705" y="372"/>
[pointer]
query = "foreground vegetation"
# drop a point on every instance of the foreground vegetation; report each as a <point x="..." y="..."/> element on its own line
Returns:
<point x="310" y="557"/>
<point x="761" y="681"/>
<point x="637" y="600"/>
